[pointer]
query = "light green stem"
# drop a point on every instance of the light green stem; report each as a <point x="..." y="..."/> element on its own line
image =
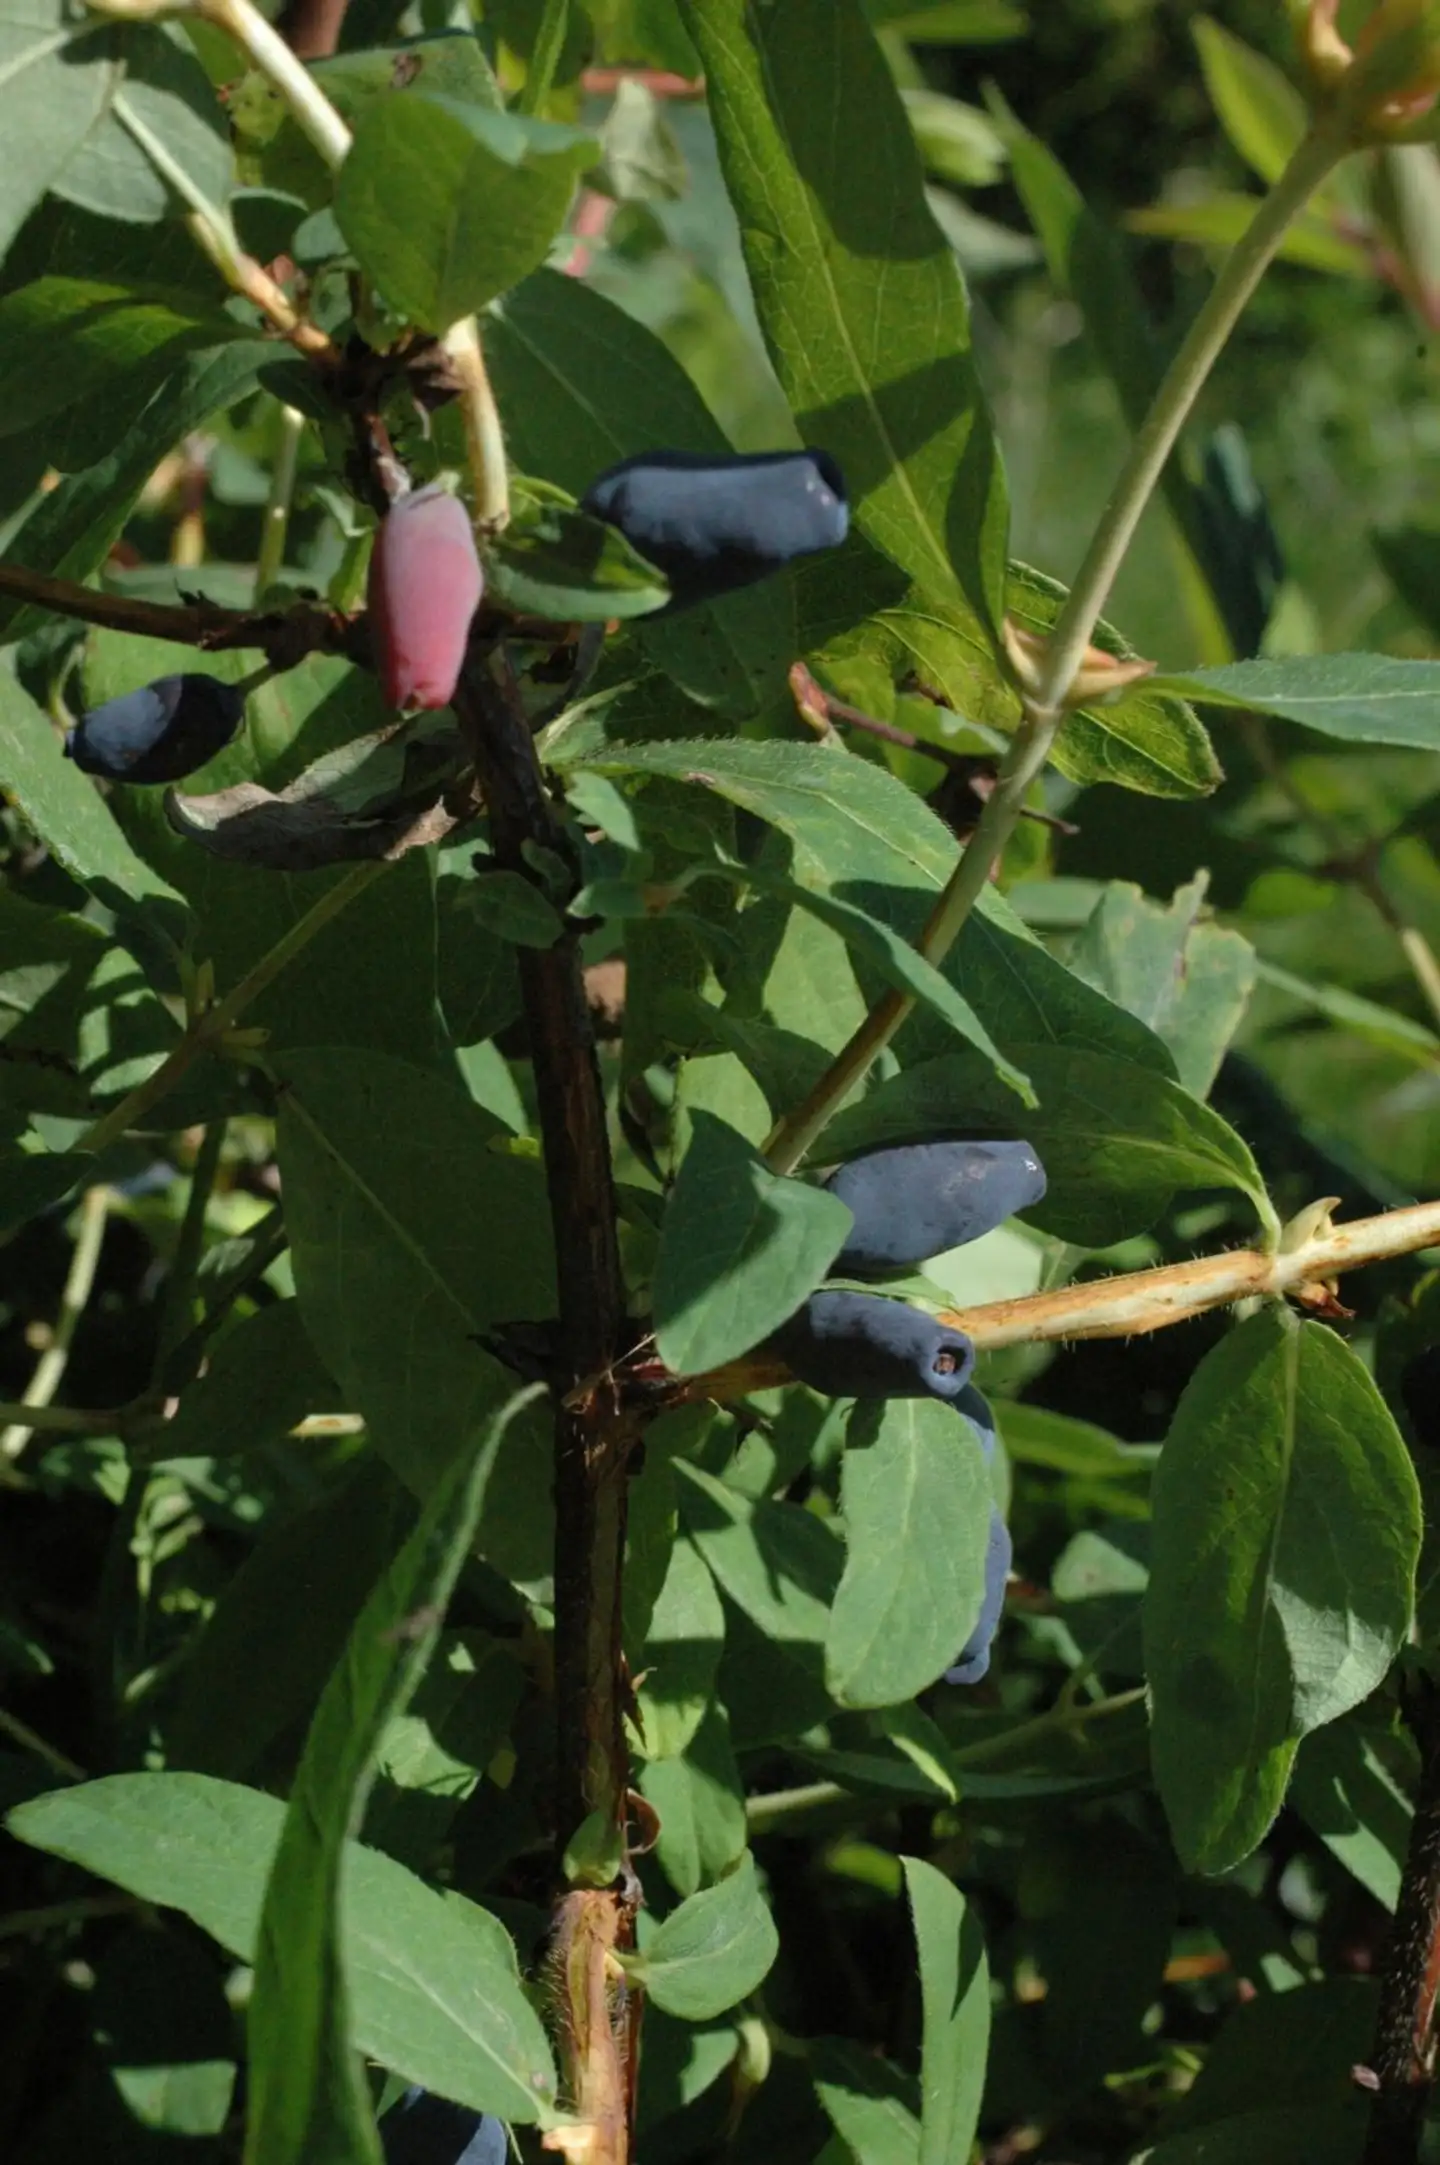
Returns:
<point x="213" y="1024"/>
<point x="1044" y="703"/>
<point x="312" y="110"/>
<point x="780" y="1804"/>
<point x="545" y="55"/>
<point x="50" y="1367"/>
<point x="271" y="556"/>
<point x="216" y="221"/>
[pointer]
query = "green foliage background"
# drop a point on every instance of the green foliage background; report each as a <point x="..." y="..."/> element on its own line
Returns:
<point x="1126" y="1899"/>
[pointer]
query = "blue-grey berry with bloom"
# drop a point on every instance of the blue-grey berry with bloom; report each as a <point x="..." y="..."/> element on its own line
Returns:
<point x="160" y="733"/>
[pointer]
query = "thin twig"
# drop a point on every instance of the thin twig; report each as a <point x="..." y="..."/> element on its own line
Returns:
<point x="271" y="555"/>
<point x="29" y="1740"/>
<point x="1064" y="1719"/>
<point x="175" y="1304"/>
<point x="51" y="1366"/>
<point x="208" y="1029"/>
<point x="1045" y="699"/>
<point x="1134" y="1303"/>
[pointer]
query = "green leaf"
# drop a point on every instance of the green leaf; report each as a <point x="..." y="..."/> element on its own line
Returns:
<point x="1038" y="1437"/>
<point x="162" y="83"/>
<point x="1346" y="1791"/>
<point x="33" y="1180"/>
<point x="740" y="1249"/>
<point x="1289" y="2049"/>
<point x="436" y="1995"/>
<point x="1286" y="1532"/>
<point x="700" y="1799"/>
<point x="1145" y="740"/>
<point x="435" y="1756"/>
<point x="682" y="1652"/>
<point x="448" y="63"/>
<point x="72" y="530"/>
<point x="871" y="2105"/>
<point x="899" y="965"/>
<point x="57" y="75"/>
<point x="447" y="204"/>
<point x="1116" y="1140"/>
<point x="715" y="1949"/>
<point x="70" y="816"/>
<point x="511" y="907"/>
<point x="554" y="561"/>
<point x="253" y="1674"/>
<point x="261" y="1379"/>
<point x="862" y="837"/>
<point x="307" y="2097"/>
<point x="915" y="1502"/>
<point x="859" y="296"/>
<point x="395" y="1184"/>
<point x="1188" y="979"/>
<point x="955" y="1998"/>
<point x="1220" y="220"/>
<point x="1358" y="698"/>
<point x="1367" y="1019"/>
<point x="583" y="385"/>
<point x="1260" y="109"/>
<point x="64" y="339"/>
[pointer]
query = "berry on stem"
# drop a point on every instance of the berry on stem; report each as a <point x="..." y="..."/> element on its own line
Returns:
<point x="712" y="525"/>
<point x="920" y="1199"/>
<point x="973" y="1659"/>
<point x="425" y="586"/>
<point x="160" y="733"/>
<point x="860" y="1345"/>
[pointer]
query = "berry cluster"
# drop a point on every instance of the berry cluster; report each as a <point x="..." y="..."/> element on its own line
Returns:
<point x="908" y="1204"/>
<point x="711" y="525"/>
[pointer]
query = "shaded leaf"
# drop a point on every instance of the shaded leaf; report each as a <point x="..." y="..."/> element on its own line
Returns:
<point x="740" y="1250"/>
<point x="713" y="1950"/>
<point x="1286" y="1533"/>
<point x="306" y="2094"/>
<point x="915" y="1501"/>
<point x="436" y="1995"/>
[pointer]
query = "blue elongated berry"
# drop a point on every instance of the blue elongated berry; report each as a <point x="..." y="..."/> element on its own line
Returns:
<point x="160" y="733"/>
<point x="422" y="2129"/>
<point x="1420" y="1389"/>
<point x="919" y="1199"/>
<point x="859" y="1345"/>
<point x="712" y="525"/>
<point x="973" y="1659"/>
<point x="976" y="1409"/>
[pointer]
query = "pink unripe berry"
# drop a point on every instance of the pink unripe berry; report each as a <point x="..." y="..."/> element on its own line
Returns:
<point x="425" y="586"/>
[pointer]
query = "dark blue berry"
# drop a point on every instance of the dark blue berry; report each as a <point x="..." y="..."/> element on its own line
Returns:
<point x="1420" y="1389"/>
<point x="160" y="733"/>
<point x="712" y="525"/>
<point x="922" y="1198"/>
<point x="859" y="1345"/>
<point x="976" y="1410"/>
<point x="973" y="1659"/>
<point x="422" y="2129"/>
